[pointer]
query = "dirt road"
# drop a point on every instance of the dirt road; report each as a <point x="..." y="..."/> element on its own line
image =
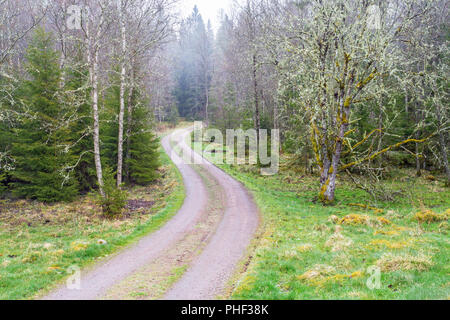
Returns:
<point x="209" y="236"/>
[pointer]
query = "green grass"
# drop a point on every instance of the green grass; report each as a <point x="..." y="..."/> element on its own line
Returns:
<point x="302" y="253"/>
<point x="38" y="243"/>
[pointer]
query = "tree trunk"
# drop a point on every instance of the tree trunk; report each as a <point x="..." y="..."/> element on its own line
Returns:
<point x="129" y="122"/>
<point x="417" y="119"/>
<point x="92" y="57"/>
<point x="62" y="64"/>
<point x="443" y="145"/>
<point x="207" y="101"/>
<point x="418" y="166"/>
<point x="328" y="180"/>
<point x="325" y="173"/>
<point x="98" y="162"/>
<point x="122" y="97"/>
<point x="255" y="84"/>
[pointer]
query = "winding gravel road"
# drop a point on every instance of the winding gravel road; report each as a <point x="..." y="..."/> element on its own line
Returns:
<point x="208" y="273"/>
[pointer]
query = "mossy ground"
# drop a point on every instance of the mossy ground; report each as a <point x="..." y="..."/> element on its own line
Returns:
<point x="353" y="245"/>
<point x="39" y="243"/>
<point x="310" y="251"/>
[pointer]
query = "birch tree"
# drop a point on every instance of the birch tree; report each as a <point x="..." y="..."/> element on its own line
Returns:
<point x="122" y="5"/>
<point x="96" y="21"/>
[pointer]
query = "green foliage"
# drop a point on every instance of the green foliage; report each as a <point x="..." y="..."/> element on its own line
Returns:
<point x="5" y="160"/>
<point x="115" y="199"/>
<point x="2" y="184"/>
<point x="49" y="138"/>
<point x="109" y="131"/>
<point x="400" y="159"/>
<point x="21" y="280"/>
<point x="142" y="158"/>
<point x="40" y="142"/>
<point x="9" y="106"/>
<point x="193" y="73"/>
<point x="140" y="148"/>
<point x="80" y="136"/>
<point x="143" y="161"/>
<point x="173" y="116"/>
<point x="304" y="254"/>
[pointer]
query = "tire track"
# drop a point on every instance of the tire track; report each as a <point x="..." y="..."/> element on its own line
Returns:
<point x="222" y="244"/>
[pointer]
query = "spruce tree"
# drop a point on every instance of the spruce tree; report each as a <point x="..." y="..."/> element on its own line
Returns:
<point x="40" y="143"/>
<point x="110" y="128"/>
<point x="143" y="161"/>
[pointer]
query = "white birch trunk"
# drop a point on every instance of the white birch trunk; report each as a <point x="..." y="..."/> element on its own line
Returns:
<point x="93" y="69"/>
<point x="122" y="96"/>
<point x="130" y="118"/>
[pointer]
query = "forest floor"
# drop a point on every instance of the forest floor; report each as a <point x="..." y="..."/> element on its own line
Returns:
<point x="357" y="249"/>
<point x="39" y="243"/>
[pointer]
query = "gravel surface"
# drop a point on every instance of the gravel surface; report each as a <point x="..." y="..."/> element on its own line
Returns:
<point x="209" y="273"/>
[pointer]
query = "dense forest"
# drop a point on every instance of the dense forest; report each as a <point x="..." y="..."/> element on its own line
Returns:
<point x="354" y="86"/>
<point x="74" y="102"/>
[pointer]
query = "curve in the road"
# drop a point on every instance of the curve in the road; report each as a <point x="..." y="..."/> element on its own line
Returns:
<point x="210" y="272"/>
<point x="207" y="276"/>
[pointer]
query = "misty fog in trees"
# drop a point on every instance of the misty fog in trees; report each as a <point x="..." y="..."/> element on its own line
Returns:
<point x="194" y="66"/>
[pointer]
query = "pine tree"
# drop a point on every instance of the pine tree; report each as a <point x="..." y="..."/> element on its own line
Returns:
<point x="40" y="143"/>
<point x="194" y="67"/>
<point x="143" y="162"/>
<point x="110" y="128"/>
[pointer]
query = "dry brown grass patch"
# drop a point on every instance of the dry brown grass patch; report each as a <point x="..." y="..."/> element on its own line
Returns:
<point x="394" y="262"/>
<point x="338" y="242"/>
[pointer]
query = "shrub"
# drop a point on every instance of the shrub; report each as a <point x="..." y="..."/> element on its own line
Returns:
<point x="115" y="199"/>
<point x="400" y="159"/>
<point x="355" y="219"/>
<point x="173" y="117"/>
<point x="2" y="186"/>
